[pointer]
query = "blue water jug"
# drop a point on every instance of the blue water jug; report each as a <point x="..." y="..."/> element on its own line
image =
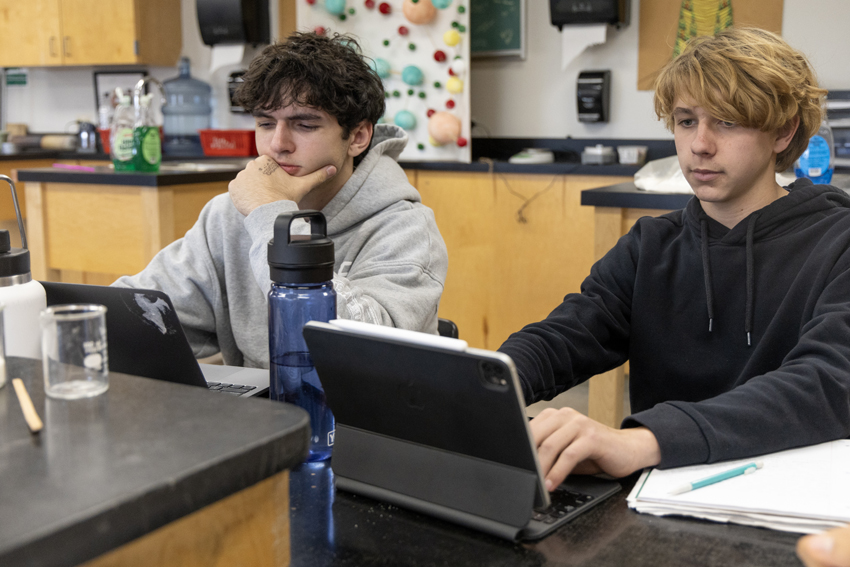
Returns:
<point x="301" y="270"/>
<point x="188" y="110"/>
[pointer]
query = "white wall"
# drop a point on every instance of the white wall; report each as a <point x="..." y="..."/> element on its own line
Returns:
<point x="55" y="97"/>
<point x="536" y="99"/>
<point x="531" y="98"/>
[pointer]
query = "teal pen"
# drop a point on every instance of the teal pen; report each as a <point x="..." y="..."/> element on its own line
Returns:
<point x="731" y="473"/>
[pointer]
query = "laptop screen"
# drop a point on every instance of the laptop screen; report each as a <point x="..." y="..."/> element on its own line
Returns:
<point x="144" y="336"/>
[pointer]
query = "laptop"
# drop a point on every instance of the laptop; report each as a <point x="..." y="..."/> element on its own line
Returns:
<point x="428" y="423"/>
<point x="145" y="338"/>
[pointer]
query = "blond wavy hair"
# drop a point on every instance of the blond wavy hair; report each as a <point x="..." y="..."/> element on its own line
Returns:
<point x="747" y="76"/>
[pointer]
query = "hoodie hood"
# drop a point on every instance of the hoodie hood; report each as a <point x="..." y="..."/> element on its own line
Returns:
<point x="781" y="217"/>
<point x="778" y="218"/>
<point x="376" y="183"/>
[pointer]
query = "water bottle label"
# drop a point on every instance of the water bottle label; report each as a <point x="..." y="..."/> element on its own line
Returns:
<point x="816" y="157"/>
<point x="331" y="435"/>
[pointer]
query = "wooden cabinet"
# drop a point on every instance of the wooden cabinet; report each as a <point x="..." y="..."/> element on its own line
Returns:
<point x="7" y="208"/>
<point x="517" y="244"/>
<point x="89" y="32"/>
<point x="86" y="233"/>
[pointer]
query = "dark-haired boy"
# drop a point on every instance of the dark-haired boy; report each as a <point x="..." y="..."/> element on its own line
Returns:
<point x="316" y="105"/>
<point x="735" y="312"/>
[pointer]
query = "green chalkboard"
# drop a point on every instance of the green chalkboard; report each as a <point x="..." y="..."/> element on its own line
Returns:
<point x="497" y="27"/>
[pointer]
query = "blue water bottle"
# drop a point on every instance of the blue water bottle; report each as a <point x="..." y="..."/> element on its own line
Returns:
<point x="301" y="270"/>
<point x="818" y="160"/>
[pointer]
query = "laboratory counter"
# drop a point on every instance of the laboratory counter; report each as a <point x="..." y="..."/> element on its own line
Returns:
<point x="341" y="529"/>
<point x="145" y="455"/>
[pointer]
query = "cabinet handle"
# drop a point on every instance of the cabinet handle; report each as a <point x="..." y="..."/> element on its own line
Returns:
<point x="53" y="46"/>
<point x="65" y="46"/>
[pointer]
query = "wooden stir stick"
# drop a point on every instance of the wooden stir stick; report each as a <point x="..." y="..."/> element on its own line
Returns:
<point x="30" y="415"/>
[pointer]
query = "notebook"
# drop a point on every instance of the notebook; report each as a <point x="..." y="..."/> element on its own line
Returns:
<point x="145" y="338"/>
<point x="804" y="490"/>
<point x="427" y="423"/>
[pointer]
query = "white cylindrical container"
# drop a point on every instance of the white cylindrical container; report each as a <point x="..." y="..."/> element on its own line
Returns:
<point x="24" y="299"/>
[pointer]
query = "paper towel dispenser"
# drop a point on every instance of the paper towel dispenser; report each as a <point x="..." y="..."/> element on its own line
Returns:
<point x="567" y="12"/>
<point x="234" y="21"/>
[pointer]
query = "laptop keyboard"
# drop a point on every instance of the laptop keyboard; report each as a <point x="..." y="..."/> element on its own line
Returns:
<point x="564" y="505"/>
<point x="232" y="389"/>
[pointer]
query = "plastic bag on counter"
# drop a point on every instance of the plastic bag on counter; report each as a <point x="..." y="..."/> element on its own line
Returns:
<point x="662" y="175"/>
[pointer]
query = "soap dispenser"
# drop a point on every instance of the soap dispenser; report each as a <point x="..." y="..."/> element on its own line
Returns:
<point x="23" y="298"/>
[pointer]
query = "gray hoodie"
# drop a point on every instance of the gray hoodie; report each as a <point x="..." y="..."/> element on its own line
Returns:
<point x="390" y="261"/>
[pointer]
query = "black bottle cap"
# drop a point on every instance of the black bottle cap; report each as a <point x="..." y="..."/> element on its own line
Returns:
<point x="13" y="261"/>
<point x="305" y="259"/>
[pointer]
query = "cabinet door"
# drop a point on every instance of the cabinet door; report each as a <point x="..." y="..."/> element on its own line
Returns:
<point x="95" y="32"/>
<point x="30" y="33"/>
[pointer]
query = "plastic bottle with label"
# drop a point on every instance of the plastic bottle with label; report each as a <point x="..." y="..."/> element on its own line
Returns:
<point x="147" y="145"/>
<point x="121" y="135"/>
<point x="301" y="270"/>
<point x="818" y="161"/>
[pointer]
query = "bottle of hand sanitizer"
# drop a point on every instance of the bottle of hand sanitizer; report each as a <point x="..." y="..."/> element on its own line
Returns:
<point x="818" y="161"/>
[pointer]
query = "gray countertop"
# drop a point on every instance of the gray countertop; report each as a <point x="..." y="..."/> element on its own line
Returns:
<point x="110" y="469"/>
<point x="627" y="195"/>
<point x="179" y="173"/>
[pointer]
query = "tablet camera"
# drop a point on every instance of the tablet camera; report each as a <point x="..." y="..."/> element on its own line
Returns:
<point x="493" y="374"/>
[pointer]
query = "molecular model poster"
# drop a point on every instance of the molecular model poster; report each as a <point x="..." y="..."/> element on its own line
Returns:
<point x="420" y="49"/>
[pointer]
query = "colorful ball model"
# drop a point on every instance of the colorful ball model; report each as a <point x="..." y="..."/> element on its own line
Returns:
<point x="335" y="7"/>
<point x="385" y="8"/>
<point x="405" y="119"/>
<point x="458" y="66"/>
<point x="412" y="75"/>
<point x="381" y="67"/>
<point x="454" y="85"/>
<point x="419" y="12"/>
<point x="444" y="128"/>
<point x="451" y="38"/>
<point x="441" y="4"/>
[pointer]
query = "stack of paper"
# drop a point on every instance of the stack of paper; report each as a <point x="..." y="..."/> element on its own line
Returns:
<point x="804" y="490"/>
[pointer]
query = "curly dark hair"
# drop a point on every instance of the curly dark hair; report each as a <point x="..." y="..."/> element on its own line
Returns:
<point x="324" y="72"/>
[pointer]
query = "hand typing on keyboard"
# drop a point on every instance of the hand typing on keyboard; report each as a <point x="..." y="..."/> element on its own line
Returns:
<point x="568" y="441"/>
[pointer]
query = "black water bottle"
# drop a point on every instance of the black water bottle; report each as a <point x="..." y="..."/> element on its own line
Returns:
<point x="301" y="270"/>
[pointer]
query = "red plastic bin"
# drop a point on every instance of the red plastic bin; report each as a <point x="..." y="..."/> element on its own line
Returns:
<point x="230" y="143"/>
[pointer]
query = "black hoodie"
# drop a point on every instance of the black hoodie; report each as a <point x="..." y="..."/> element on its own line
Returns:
<point x="770" y="371"/>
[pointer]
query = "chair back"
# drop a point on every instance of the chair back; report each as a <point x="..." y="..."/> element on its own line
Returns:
<point x="447" y="328"/>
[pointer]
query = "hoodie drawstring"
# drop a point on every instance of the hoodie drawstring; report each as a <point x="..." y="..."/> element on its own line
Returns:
<point x="706" y="270"/>
<point x="750" y="283"/>
<point x="748" y="322"/>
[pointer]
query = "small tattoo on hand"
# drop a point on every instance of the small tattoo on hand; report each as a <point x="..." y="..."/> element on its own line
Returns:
<point x="268" y="168"/>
